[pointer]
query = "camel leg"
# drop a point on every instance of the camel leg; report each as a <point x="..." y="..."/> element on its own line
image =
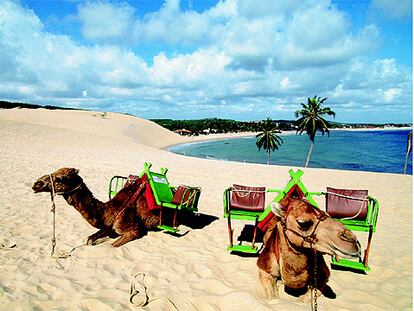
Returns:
<point x="269" y="284"/>
<point x="126" y="237"/>
<point x="101" y="233"/>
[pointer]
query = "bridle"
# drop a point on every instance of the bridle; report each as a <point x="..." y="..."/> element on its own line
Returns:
<point x="311" y="238"/>
<point x="54" y="193"/>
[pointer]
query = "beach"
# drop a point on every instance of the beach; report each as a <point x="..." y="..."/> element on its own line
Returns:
<point x="194" y="270"/>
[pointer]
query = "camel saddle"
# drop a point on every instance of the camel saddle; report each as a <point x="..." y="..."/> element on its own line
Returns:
<point x="135" y="187"/>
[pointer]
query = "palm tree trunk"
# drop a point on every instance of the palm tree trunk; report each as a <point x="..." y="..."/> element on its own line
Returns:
<point x="268" y="156"/>
<point x="407" y="154"/>
<point x="309" y="154"/>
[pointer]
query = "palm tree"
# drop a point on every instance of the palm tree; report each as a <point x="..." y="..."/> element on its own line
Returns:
<point x="268" y="139"/>
<point x="409" y="145"/>
<point x="311" y="120"/>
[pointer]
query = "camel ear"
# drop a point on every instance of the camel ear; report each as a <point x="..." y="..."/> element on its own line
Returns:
<point x="278" y="209"/>
<point x="285" y="202"/>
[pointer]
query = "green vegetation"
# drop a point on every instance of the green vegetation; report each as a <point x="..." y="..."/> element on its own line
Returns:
<point x="268" y="138"/>
<point x="10" y="105"/>
<point x="215" y="125"/>
<point x="311" y="120"/>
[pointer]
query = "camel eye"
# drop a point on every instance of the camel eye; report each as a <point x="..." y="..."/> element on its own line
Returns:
<point x="344" y="236"/>
<point x="304" y="224"/>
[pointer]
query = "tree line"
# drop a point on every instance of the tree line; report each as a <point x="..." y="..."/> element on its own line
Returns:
<point x="218" y="126"/>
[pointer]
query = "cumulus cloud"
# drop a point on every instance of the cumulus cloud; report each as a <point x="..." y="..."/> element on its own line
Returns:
<point x="105" y="21"/>
<point x="248" y="60"/>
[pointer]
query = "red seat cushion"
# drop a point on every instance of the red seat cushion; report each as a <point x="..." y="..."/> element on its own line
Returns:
<point x="247" y="198"/>
<point x="345" y="203"/>
<point x="185" y="195"/>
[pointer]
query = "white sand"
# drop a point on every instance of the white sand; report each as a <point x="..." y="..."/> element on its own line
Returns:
<point x="194" y="271"/>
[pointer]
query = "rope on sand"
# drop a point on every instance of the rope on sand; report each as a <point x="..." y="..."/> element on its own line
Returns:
<point x="9" y="246"/>
<point x="63" y="255"/>
<point x="142" y="300"/>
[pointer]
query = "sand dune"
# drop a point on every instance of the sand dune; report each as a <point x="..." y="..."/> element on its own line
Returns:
<point x="194" y="271"/>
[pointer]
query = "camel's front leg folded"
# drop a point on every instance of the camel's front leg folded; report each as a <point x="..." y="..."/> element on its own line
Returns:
<point x="101" y="233"/>
<point x="128" y="236"/>
<point x="269" y="284"/>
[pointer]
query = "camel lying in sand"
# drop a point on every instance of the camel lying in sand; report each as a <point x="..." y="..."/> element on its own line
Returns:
<point x="113" y="218"/>
<point x="298" y="234"/>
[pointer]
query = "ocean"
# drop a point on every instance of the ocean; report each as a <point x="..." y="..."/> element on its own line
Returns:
<point x="373" y="150"/>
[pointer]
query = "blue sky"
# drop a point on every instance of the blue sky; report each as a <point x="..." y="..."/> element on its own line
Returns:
<point x="239" y="59"/>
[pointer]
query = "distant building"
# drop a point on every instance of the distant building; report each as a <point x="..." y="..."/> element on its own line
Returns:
<point x="183" y="132"/>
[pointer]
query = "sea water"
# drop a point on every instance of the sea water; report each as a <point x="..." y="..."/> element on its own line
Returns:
<point x="373" y="150"/>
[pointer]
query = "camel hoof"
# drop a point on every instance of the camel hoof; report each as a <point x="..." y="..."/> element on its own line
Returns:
<point x="328" y="292"/>
<point x="90" y="241"/>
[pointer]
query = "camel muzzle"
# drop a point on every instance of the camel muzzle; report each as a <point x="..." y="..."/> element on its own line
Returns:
<point x="38" y="186"/>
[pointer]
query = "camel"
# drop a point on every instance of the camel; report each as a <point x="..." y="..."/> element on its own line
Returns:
<point x="297" y="239"/>
<point x="123" y="215"/>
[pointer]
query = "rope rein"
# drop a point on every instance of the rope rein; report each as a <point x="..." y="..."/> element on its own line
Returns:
<point x="53" y="210"/>
<point x="53" y="193"/>
<point x="314" y="292"/>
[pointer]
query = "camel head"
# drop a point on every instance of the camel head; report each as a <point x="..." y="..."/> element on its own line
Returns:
<point x="64" y="180"/>
<point x="306" y="226"/>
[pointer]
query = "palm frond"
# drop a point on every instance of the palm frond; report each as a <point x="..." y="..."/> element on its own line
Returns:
<point x="311" y="117"/>
<point x="268" y="139"/>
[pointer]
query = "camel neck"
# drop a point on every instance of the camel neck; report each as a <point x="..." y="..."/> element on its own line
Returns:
<point x="87" y="205"/>
<point x="294" y="262"/>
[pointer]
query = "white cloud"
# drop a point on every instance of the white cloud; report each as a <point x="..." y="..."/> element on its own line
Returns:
<point x="252" y="33"/>
<point x="105" y="21"/>
<point x="391" y="94"/>
<point x="284" y="84"/>
<point x="250" y="59"/>
<point x="200" y="67"/>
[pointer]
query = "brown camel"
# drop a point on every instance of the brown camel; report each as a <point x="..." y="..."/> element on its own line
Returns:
<point x="297" y="238"/>
<point x="124" y="215"/>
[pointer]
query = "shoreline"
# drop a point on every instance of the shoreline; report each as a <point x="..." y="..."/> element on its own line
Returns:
<point x="210" y="137"/>
<point x="225" y="136"/>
